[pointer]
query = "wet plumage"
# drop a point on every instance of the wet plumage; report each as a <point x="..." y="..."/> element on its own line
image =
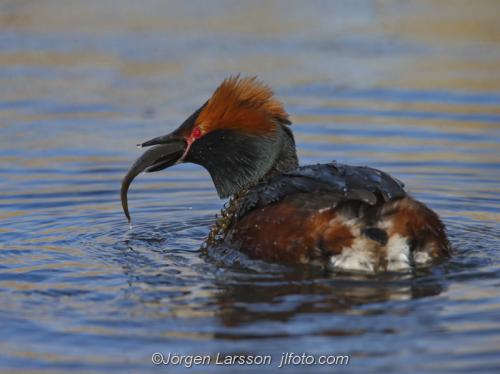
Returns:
<point x="332" y="215"/>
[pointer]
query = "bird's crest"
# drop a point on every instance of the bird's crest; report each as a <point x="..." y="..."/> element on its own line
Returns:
<point x="244" y="104"/>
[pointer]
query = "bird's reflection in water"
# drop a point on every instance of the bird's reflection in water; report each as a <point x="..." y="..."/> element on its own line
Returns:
<point x="265" y="293"/>
<point x="235" y="298"/>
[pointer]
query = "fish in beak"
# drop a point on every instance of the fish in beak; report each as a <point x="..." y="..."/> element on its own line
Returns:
<point x="167" y="150"/>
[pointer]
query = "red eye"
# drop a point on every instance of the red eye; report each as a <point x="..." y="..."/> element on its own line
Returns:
<point x="196" y="133"/>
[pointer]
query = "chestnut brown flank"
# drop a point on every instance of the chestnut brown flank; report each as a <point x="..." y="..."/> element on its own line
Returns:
<point x="287" y="233"/>
<point x="413" y="220"/>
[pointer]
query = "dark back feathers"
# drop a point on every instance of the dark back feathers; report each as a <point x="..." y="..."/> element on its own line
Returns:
<point x="338" y="182"/>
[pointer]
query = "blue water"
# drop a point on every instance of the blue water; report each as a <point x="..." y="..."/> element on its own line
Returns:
<point x="412" y="88"/>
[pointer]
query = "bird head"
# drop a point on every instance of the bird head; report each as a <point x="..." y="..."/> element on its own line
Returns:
<point x="239" y="135"/>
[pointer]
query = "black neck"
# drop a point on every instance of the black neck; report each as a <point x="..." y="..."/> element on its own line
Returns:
<point x="237" y="161"/>
<point x="287" y="160"/>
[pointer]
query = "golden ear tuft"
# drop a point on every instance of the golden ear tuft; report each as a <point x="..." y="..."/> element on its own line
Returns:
<point x="244" y="104"/>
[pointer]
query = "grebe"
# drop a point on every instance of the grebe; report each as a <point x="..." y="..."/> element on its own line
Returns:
<point x="333" y="215"/>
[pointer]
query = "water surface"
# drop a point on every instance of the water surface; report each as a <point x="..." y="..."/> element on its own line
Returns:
<point x="413" y="89"/>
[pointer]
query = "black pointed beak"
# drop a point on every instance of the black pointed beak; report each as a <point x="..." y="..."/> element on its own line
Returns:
<point x="167" y="151"/>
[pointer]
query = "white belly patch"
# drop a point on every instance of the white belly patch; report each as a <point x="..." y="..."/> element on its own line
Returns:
<point x="368" y="256"/>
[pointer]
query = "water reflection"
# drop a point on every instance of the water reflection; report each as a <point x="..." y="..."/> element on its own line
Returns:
<point x="254" y="300"/>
